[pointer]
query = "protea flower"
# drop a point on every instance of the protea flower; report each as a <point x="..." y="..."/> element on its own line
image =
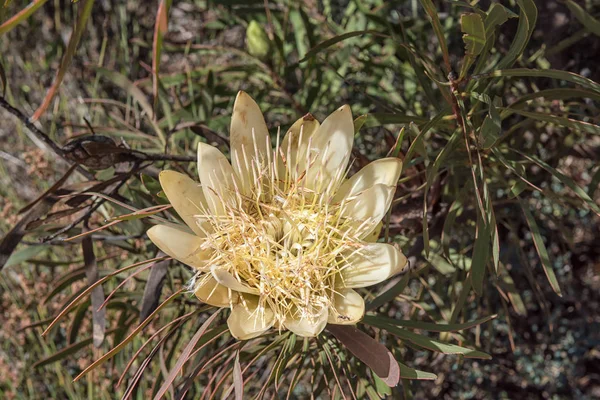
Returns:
<point x="282" y="237"/>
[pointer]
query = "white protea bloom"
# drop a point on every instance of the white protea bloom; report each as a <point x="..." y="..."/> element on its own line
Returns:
<point x="283" y="237"/>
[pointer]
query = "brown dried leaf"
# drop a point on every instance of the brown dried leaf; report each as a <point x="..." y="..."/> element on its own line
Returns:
<point x="154" y="286"/>
<point x="375" y="355"/>
<point x="91" y="271"/>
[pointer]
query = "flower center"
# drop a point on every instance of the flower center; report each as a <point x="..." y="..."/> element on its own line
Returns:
<point x="284" y="247"/>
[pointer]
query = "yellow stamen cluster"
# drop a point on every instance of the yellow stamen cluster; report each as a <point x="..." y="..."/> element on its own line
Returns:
<point x="282" y="241"/>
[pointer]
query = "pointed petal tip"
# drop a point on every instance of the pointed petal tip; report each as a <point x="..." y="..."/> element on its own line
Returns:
<point x="345" y="109"/>
<point x="165" y="175"/>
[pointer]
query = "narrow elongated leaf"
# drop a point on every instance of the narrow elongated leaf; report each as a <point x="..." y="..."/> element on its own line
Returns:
<point x="238" y="379"/>
<point x="185" y="354"/>
<point x="13" y="237"/>
<point x="389" y="294"/>
<point x="407" y="372"/>
<point x="359" y="122"/>
<point x="480" y="255"/>
<point x="540" y="247"/>
<point x="527" y="19"/>
<point x="25" y="254"/>
<point x="429" y="326"/>
<point x="567" y="181"/>
<point x="336" y="39"/>
<point x="561" y="121"/>
<point x="427" y="342"/>
<point x="555" y="94"/>
<point x="378" y="119"/>
<point x="21" y="16"/>
<point x="474" y="33"/>
<point x="154" y="286"/>
<point x="545" y="73"/>
<point x="89" y="289"/>
<point x="375" y="355"/>
<point x="80" y="25"/>
<point x="63" y="282"/>
<point x="590" y="23"/>
<point x="121" y="81"/>
<point x="66" y="351"/>
<point x="132" y="335"/>
<point x="474" y="38"/>
<point x="160" y="29"/>
<point x="432" y="13"/>
<point x="496" y="16"/>
<point x="97" y="296"/>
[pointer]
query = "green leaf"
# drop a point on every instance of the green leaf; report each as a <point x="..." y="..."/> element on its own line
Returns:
<point x="379" y="119"/>
<point x="590" y="23"/>
<point x="359" y="122"/>
<point x="131" y="336"/>
<point x="474" y="38"/>
<point x="390" y="294"/>
<point x="527" y="19"/>
<point x="432" y="13"/>
<point x="135" y="92"/>
<point x="496" y="16"/>
<point x="429" y="326"/>
<point x="474" y="33"/>
<point x="161" y="27"/>
<point x="567" y="181"/>
<point x="547" y="73"/>
<point x="257" y="41"/>
<point x="23" y="255"/>
<point x="555" y="94"/>
<point x="20" y="16"/>
<point x="553" y="119"/>
<point x="540" y="247"/>
<point x="66" y="351"/>
<point x="490" y="132"/>
<point x="63" y="282"/>
<point x="336" y="39"/>
<point x="80" y="25"/>
<point x="407" y="372"/>
<point x="426" y="342"/>
<point x="481" y="251"/>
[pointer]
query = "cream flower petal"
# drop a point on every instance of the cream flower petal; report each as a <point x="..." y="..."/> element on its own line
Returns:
<point x="385" y="171"/>
<point x="249" y="320"/>
<point x="348" y="307"/>
<point x="186" y="197"/>
<point x="249" y="138"/>
<point x="367" y="208"/>
<point x="374" y="236"/>
<point x="209" y="291"/>
<point x="370" y="265"/>
<point x="228" y="280"/>
<point x="291" y="162"/>
<point x="180" y="245"/>
<point x="217" y="179"/>
<point x="332" y="145"/>
<point x="306" y="327"/>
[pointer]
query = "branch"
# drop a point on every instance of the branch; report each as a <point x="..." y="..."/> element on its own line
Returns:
<point x="40" y="134"/>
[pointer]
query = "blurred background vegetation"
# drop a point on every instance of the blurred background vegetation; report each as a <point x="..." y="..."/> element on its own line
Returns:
<point x="494" y="107"/>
